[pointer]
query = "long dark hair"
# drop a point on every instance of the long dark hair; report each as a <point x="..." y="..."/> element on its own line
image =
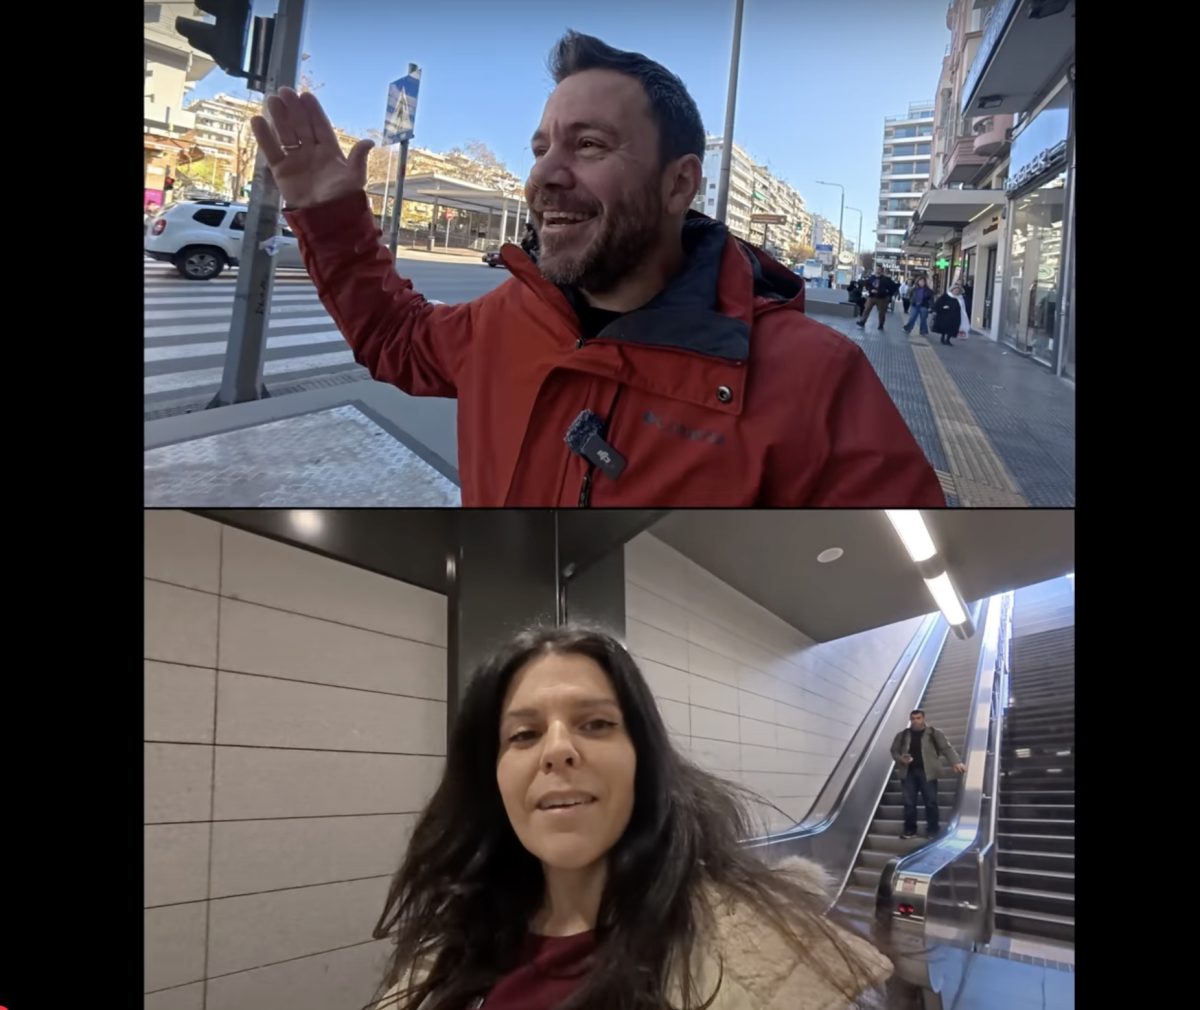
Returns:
<point x="463" y="897"/>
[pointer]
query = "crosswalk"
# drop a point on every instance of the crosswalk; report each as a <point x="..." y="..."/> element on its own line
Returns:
<point x="187" y="329"/>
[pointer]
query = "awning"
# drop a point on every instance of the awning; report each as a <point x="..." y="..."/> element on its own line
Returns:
<point x="184" y="147"/>
<point x="447" y="192"/>
<point x="944" y="212"/>
<point x="1025" y="43"/>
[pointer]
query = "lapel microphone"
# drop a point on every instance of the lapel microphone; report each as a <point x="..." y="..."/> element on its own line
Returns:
<point x="585" y="438"/>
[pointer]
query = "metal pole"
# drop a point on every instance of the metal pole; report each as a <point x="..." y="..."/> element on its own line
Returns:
<point x="246" y="351"/>
<point x="841" y="220"/>
<point x="730" y="102"/>
<point x="399" y="201"/>
<point x="858" y="247"/>
<point x="387" y="181"/>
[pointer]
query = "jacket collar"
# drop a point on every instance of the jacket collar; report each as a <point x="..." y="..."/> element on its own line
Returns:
<point x="707" y="312"/>
<point x="707" y="309"/>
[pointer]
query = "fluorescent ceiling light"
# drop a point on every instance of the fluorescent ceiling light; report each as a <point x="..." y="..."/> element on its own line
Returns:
<point x="307" y="521"/>
<point x="946" y="597"/>
<point x="913" y="533"/>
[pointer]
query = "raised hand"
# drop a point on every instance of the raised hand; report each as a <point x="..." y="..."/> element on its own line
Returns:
<point x="303" y="153"/>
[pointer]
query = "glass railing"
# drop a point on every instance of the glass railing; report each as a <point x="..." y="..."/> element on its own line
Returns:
<point x="939" y="900"/>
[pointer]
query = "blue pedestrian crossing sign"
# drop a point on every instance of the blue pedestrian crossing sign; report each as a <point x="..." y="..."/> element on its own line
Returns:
<point x="402" y="107"/>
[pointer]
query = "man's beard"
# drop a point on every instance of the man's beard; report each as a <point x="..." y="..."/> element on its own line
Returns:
<point x="629" y="232"/>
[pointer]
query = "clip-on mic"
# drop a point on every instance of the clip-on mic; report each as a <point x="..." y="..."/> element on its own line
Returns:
<point x="585" y="438"/>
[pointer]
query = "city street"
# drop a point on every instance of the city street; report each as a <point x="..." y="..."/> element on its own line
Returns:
<point x="998" y="428"/>
<point x="187" y="329"/>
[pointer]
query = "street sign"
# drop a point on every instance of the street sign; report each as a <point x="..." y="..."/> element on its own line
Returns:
<point x="768" y="219"/>
<point x="402" y="107"/>
<point x="825" y="247"/>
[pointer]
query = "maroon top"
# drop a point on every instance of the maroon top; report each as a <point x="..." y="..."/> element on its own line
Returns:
<point x="550" y="969"/>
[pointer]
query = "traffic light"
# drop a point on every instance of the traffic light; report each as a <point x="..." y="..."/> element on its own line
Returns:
<point x="225" y="38"/>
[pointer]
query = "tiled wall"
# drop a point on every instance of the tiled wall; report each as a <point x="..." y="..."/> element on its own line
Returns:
<point x="295" y="722"/>
<point x="745" y="694"/>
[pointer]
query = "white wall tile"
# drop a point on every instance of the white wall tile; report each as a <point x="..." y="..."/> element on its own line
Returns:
<point x="257" y="639"/>
<point x="713" y="694"/>
<point x="344" y="979"/>
<point x="254" y="783"/>
<point x="180" y="625"/>
<point x="646" y="642"/>
<point x="712" y="665"/>
<point x="178" y="782"/>
<point x="184" y="997"/>
<point x="178" y="702"/>
<point x="665" y="681"/>
<point x="754" y="731"/>
<point x="265" y="712"/>
<point x="173" y="945"/>
<point x="260" y="570"/>
<point x="175" y="863"/>
<point x="652" y="609"/>
<point x="715" y="725"/>
<point x="260" y="929"/>
<point x="270" y="855"/>
<point x="675" y="715"/>
<point x="754" y="707"/>
<point x="182" y="548"/>
<point x="717" y="755"/>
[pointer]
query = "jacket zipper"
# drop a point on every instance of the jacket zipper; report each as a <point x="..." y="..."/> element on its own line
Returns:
<point x="585" y="489"/>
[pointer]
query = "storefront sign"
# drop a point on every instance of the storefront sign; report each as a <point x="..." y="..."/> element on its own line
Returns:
<point x="991" y="227"/>
<point x="1041" y="146"/>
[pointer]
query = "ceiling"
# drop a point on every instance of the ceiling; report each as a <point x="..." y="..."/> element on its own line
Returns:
<point x="770" y="556"/>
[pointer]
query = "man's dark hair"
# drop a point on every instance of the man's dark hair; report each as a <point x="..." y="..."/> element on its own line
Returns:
<point x="680" y="128"/>
<point x="916" y="711"/>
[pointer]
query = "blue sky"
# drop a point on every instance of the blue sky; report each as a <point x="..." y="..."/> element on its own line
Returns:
<point x="816" y="77"/>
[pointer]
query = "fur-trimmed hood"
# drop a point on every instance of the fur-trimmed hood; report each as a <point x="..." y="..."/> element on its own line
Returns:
<point x="756" y="966"/>
<point x="761" y="972"/>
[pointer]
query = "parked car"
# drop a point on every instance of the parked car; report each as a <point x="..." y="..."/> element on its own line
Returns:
<point x="200" y="238"/>
<point x="492" y="258"/>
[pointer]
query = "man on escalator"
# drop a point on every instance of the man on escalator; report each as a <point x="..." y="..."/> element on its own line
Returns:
<point x="919" y="751"/>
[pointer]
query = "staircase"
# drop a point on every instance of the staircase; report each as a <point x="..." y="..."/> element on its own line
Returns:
<point x="1035" y="870"/>
<point x="947" y="702"/>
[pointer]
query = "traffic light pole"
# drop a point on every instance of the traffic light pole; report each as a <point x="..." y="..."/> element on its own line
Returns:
<point x="246" y="351"/>
<point x="397" y="204"/>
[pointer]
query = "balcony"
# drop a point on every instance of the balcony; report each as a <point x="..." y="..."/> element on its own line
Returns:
<point x="963" y="164"/>
<point x="991" y="134"/>
<point x="1024" y="42"/>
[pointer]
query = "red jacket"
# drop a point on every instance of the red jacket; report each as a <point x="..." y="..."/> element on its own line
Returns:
<point x="719" y="392"/>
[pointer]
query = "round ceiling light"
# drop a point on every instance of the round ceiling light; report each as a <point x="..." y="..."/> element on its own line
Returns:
<point x="832" y="554"/>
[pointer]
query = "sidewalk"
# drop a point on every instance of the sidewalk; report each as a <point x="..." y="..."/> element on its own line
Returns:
<point x="998" y="427"/>
<point x="441" y="255"/>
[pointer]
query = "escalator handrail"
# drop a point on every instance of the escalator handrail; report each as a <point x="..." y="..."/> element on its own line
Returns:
<point x="837" y="825"/>
<point x="969" y="838"/>
<point x="833" y="794"/>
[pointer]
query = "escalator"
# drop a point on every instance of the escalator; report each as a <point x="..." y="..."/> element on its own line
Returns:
<point x="1035" y="873"/>
<point x="947" y="702"/>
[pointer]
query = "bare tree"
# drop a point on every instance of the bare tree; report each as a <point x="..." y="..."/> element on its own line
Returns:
<point x="800" y="251"/>
<point x="867" y="260"/>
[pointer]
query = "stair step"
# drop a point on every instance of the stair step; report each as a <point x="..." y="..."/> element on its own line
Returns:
<point x="1042" y="925"/>
<point x="1023" y="859"/>
<point x="1030" y="842"/>
<point x="1058" y="882"/>
<point x="1037" y="811"/>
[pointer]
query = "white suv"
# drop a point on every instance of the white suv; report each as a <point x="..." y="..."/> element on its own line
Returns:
<point x="201" y="237"/>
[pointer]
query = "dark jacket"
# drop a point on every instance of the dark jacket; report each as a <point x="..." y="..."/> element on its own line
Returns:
<point x="921" y="295"/>
<point x="935" y="749"/>
<point x="718" y="392"/>
<point x="880" y="287"/>
<point x="949" y="316"/>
